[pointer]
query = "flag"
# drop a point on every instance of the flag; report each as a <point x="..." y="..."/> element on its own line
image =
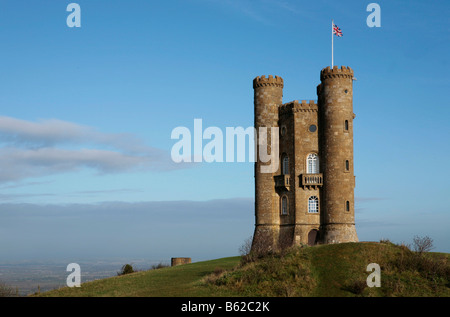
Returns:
<point x="334" y="30"/>
<point x="337" y="30"/>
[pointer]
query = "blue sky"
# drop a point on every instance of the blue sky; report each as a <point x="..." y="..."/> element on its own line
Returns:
<point x="86" y="116"/>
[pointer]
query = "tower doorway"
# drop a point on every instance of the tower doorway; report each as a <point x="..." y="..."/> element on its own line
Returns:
<point x="313" y="237"/>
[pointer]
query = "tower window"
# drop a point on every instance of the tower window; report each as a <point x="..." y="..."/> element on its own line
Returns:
<point x="312" y="128"/>
<point x="313" y="204"/>
<point x="312" y="164"/>
<point x="346" y="125"/>
<point x="347" y="166"/>
<point x="284" y="205"/>
<point x="285" y="165"/>
<point x="347" y="206"/>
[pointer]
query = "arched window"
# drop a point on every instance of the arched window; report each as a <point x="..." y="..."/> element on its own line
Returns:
<point x="347" y="165"/>
<point x="284" y="205"/>
<point x="347" y="206"/>
<point x="285" y="165"/>
<point x="313" y="204"/>
<point x="312" y="164"/>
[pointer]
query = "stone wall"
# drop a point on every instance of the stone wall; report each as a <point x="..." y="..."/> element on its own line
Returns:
<point x="179" y="261"/>
<point x="324" y="128"/>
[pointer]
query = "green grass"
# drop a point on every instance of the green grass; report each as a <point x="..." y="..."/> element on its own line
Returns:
<point x="327" y="270"/>
<point x="177" y="281"/>
<point x="340" y="270"/>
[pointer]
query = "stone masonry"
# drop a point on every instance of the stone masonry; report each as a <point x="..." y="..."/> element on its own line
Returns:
<point x="310" y="198"/>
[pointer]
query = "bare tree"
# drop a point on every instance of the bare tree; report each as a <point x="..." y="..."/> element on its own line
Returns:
<point x="253" y="249"/>
<point x="422" y="244"/>
<point x="246" y="248"/>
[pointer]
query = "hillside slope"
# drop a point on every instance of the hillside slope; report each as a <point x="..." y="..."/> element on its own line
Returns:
<point x="327" y="270"/>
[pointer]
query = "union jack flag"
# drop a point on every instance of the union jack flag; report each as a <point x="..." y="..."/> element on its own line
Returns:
<point x="337" y="30"/>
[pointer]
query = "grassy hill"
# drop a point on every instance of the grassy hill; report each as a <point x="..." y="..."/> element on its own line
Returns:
<point x="327" y="270"/>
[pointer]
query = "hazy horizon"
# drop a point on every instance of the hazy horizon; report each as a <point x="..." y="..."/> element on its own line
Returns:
<point x="86" y="116"/>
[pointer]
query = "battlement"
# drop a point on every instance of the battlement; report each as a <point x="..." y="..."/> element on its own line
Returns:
<point x="301" y="201"/>
<point x="335" y="72"/>
<point x="263" y="81"/>
<point x="298" y="106"/>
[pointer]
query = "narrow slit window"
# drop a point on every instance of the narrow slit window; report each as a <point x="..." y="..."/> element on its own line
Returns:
<point x="284" y="205"/>
<point x="347" y="165"/>
<point x="347" y="206"/>
<point x="285" y="169"/>
<point x="346" y="125"/>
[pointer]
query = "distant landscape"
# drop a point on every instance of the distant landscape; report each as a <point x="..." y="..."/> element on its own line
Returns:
<point x="332" y="270"/>
<point x="132" y="132"/>
<point x="28" y="277"/>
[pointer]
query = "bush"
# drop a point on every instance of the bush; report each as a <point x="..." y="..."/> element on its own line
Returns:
<point x="252" y="250"/>
<point x="126" y="269"/>
<point x="214" y="276"/>
<point x="356" y="287"/>
<point x="422" y="244"/>
<point x="158" y="266"/>
<point x="246" y="247"/>
<point x="6" y="291"/>
<point x="429" y="266"/>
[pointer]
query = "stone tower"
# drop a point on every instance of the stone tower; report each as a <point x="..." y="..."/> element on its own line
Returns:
<point x="268" y="95"/>
<point x="335" y="96"/>
<point x="310" y="198"/>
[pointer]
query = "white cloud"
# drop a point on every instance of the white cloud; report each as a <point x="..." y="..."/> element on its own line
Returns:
<point x="52" y="132"/>
<point x="33" y="149"/>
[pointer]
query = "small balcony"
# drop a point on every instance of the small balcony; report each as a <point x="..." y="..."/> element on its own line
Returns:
<point x="282" y="181"/>
<point x="311" y="180"/>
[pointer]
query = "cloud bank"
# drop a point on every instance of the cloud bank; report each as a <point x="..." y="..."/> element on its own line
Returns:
<point x="156" y="230"/>
<point x="33" y="149"/>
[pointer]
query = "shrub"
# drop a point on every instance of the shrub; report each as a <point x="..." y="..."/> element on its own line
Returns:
<point x="422" y="244"/>
<point x="433" y="267"/>
<point x="218" y="271"/>
<point x="246" y="247"/>
<point x="6" y="291"/>
<point x="126" y="269"/>
<point x="356" y="287"/>
<point x="252" y="250"/>
<point x="159" y="266"/>
<point x="214" y="276"/>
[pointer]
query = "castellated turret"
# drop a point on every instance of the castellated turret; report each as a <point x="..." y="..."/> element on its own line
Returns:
<point x="268" y="96"/>
<point x="309" y="199"/>
<point x="335" y="96"/>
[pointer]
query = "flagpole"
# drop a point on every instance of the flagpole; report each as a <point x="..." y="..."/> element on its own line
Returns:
<point x="332" y="53"/>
